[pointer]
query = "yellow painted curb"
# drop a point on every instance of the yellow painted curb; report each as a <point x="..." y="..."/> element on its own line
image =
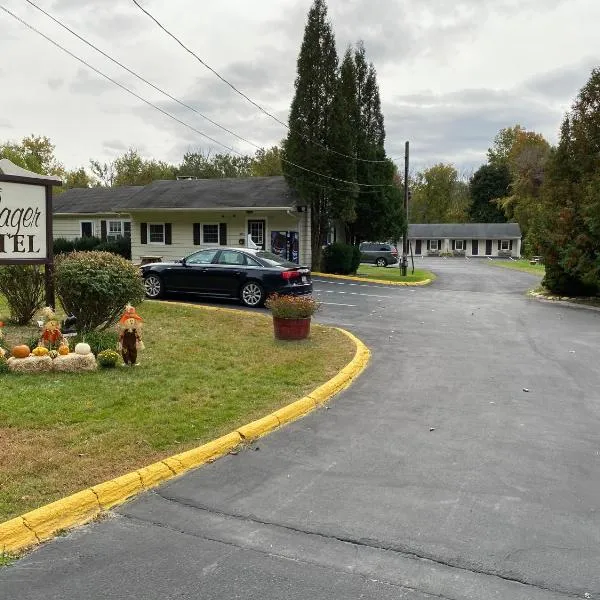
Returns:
<point x="80" y="508"/>
<point x="378" y="281"/>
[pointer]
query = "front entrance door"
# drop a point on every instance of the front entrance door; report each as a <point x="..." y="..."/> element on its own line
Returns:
<point x="86" y="229"/>
<point x="418" y="247"/>
<point x="257" y="230"/>
<point x="474" y="247"/>
<point x="488" y="247"/>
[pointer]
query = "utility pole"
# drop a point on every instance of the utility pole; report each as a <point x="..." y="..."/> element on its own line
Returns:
<point x="404" y="264"/>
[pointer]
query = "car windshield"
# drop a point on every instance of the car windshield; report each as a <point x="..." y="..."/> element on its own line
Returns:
<point x="273" y="260"/>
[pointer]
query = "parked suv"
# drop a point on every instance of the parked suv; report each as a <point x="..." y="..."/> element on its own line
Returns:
<point x="380" y="254"/>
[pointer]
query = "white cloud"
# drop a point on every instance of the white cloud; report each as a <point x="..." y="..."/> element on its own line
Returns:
<point x="451" y="74"/>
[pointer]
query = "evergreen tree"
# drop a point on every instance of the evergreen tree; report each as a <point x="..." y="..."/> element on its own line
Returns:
<point x="489" y="183"/>
<point x="379" y="211"/>
<point x="315" y="124"/>
<point x="570" y="219"/>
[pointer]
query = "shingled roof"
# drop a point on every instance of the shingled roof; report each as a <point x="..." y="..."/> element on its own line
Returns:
<point x="250" y="192"/>
<point x="96" y="200"/>
<point x="468" y="231"/>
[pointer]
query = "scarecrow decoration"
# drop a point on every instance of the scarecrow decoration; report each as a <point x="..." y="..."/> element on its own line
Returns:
<point x="130" y="335"/>
<point x="52" y="336"/>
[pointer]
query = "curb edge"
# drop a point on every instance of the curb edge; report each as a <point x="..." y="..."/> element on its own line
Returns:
<point x="377" y="281"/>
<point x="43" y="523"/>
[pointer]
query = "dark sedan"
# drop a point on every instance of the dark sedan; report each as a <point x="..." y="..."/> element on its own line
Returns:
<point x="248" y="275"/>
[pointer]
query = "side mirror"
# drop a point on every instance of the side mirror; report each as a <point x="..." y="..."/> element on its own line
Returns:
<point x="183" y="261"/>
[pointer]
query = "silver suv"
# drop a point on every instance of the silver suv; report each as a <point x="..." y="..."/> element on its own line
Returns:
<point x="379" y="254"/>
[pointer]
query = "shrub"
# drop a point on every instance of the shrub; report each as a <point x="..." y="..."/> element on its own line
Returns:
<point x="292" y="307"/>
<point x="341" y="259"/>
<point x="99" y="341"/>
<point x="23" y="287"/>
<point x="95" y="287"/>
<point x="561" y="282"/>
<point x="3" y="365"/>
<point x="108" y="359"/>
<point x="120" y="246"/>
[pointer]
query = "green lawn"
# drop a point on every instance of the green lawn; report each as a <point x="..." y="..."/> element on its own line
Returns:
<point x="393" y="273"/>
<point x="520" y="265"/>
<point x="203" y="373"/>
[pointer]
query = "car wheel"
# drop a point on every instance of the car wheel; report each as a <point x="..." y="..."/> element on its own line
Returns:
<point x="381" y="262"/>
<point x="252" y="294"/>
<point x="154" y="286"/>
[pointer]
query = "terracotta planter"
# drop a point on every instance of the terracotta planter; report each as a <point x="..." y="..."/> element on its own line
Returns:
<point x="291" y="329"/>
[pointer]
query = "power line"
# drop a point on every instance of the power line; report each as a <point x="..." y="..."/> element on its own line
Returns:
<point x="243" y="95"/>
<point x="171" y="116"/>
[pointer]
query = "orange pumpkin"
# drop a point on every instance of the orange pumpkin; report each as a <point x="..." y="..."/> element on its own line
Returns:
<point x="63" y="349"/>
<point x="21" y="351"/>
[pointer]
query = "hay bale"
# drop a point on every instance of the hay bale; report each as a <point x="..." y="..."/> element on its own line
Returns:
<point x="74" y="363"/>
<point x="31" y="364"/>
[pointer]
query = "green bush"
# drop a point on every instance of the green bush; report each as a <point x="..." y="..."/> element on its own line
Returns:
<point x="23" y="287"/>
<point x="99" y="341"/>
<point x="108" y="359"/>
<point x="120" y="246"/>
<point x="341" y="259"/>
<point x="3" y="365"/>
<point x="96" y="286"/>
<point x="559" y="281"/>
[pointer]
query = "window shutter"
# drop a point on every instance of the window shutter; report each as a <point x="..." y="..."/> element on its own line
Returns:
<point x="196" y="229"/>
<point x="440" y="245"/>
<point x="428" y="244"/>
<point x="223" y="234"/>
<point x="499" y="247"/>
<point x="465" y="245"/>
<point x="143" y="233"/>
<point x="168" y="241"/>
<point x="511" y="243"/>
<point x="103" y="230"/>
<point x="453" y="244"/>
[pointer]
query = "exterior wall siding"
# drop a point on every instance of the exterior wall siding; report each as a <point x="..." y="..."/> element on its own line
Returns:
<point x="447" y="247"/>
<point x="70" y="228"/>
<point x="182" y="233"/>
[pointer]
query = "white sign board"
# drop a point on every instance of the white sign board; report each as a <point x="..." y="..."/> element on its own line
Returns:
<point x="22" y="221"/>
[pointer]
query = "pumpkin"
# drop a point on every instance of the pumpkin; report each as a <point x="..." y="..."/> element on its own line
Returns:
<point x="40" y="351"/>
<point x="21" y="351"/>
<point x="63" y="349"/>
<point x="82" y="348"/>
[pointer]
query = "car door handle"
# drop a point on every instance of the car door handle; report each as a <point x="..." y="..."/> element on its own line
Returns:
<point x="237" y="272"/>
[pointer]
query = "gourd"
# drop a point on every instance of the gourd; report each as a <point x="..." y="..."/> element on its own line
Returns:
<point x="21" y="351"/>
<point x="40" y="351"/>
<point x="53" y="354"/>
<point x="63" y="349"/>
<point x="82" y="348"/>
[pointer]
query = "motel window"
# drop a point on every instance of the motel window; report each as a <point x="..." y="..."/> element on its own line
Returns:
<point x="505" y="245"/>
<point x="156" y="233"/>
<point x="210" y="233"/>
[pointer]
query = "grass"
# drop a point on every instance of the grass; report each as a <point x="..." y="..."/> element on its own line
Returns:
<point x="520" y="265"/>
<point x="203" y="373"/>
<point x="393" y="274"/>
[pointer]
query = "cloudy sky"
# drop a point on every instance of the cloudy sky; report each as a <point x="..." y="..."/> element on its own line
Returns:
<point x="451" y="74"/>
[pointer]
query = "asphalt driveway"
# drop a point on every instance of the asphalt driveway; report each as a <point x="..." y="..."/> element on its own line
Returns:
<point x="463" y="464"/>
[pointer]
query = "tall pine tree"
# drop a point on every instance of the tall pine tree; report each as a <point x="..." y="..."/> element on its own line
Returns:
<point x="379" y="213"/>
<point x="318" y="125"/>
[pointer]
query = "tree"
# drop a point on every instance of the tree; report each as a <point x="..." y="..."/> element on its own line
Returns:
<point x="569" y="219"/>
<point x="439" y="197"/>
<point x="132" y="169"/>
<point x="204" y="166"/>
<point x="526" y="160"/>
<point x="379" y="210"/>
<point x="103" y="172"/>
<point x="34" y="153"/>
<point x="489" y="183"/>
<point x="75" y="179"/>
<point x="314" y="126"/>
<point x="266" y="162"/>
<point x="504" y="141"/>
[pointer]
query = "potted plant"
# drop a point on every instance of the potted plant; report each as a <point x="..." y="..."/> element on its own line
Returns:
<point x="291" y="315"/>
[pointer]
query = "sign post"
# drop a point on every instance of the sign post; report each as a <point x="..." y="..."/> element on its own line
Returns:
<point x="26" y="220"/>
